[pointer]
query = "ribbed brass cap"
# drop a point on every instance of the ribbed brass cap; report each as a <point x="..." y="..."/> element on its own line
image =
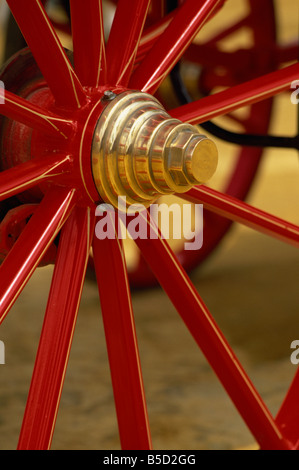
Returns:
<point x="140" y="152"/>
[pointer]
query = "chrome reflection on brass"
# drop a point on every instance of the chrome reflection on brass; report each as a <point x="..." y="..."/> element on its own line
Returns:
<point x="140" y="152"/>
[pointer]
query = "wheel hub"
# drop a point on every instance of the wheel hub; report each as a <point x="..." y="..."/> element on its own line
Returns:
<point x="124" y="144"/>
<point x="140" y="152"/>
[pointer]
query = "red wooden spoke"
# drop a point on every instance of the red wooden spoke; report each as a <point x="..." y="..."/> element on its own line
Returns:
<point x="236" y="210"/>
<point x="26" y="175"/>
<point x="111" y="272"/>
<point x="89" y="42"/>
<point x="151" y="34"/>
<point x="21" y="110"/>
<point x="208" y="336"/>
<point x="288" y="416"/>
<point x="32" y="244"/>
<point x="237" y="96"/>
<point x="121" y="53"/>
<point x="48" y="52"/>
<point x="171" y="45"/>
<point x="57" y="332"/>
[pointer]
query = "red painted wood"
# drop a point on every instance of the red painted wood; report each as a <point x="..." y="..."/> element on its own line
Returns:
<point x="241" y="212"/>
<point x="33" y="242"/>
<point x="89" y="42"/>
<point x="29" y="174"/>
<point x="171" y="45"/>
<point x="174" y="280"/>
<point x="236" y="97"/>
<point x="33" y="116"/>
<point x="117" y="313"/>
<point x="128" y="25"/>
<point x="57" y="332"/>
<point x="288" y="415"/>
<point x="48" y="52"/>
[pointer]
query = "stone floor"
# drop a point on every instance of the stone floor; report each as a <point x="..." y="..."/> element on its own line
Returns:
<point x="250" y="284"/>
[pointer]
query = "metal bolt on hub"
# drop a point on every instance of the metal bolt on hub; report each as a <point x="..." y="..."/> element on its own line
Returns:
<point x="108" y="95"/>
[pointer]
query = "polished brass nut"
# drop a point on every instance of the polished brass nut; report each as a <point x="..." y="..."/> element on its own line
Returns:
<point x="201" y="160"/>
<point x="140" y="152"/>
<point x="175" y="157"/>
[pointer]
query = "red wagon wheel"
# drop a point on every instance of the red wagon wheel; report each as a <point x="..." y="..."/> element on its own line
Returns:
<point x="254" y="31"/>
<point x="70" y="142"/>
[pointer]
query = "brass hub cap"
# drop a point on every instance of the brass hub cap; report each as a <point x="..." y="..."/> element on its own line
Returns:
<point x="140" y="152"/>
